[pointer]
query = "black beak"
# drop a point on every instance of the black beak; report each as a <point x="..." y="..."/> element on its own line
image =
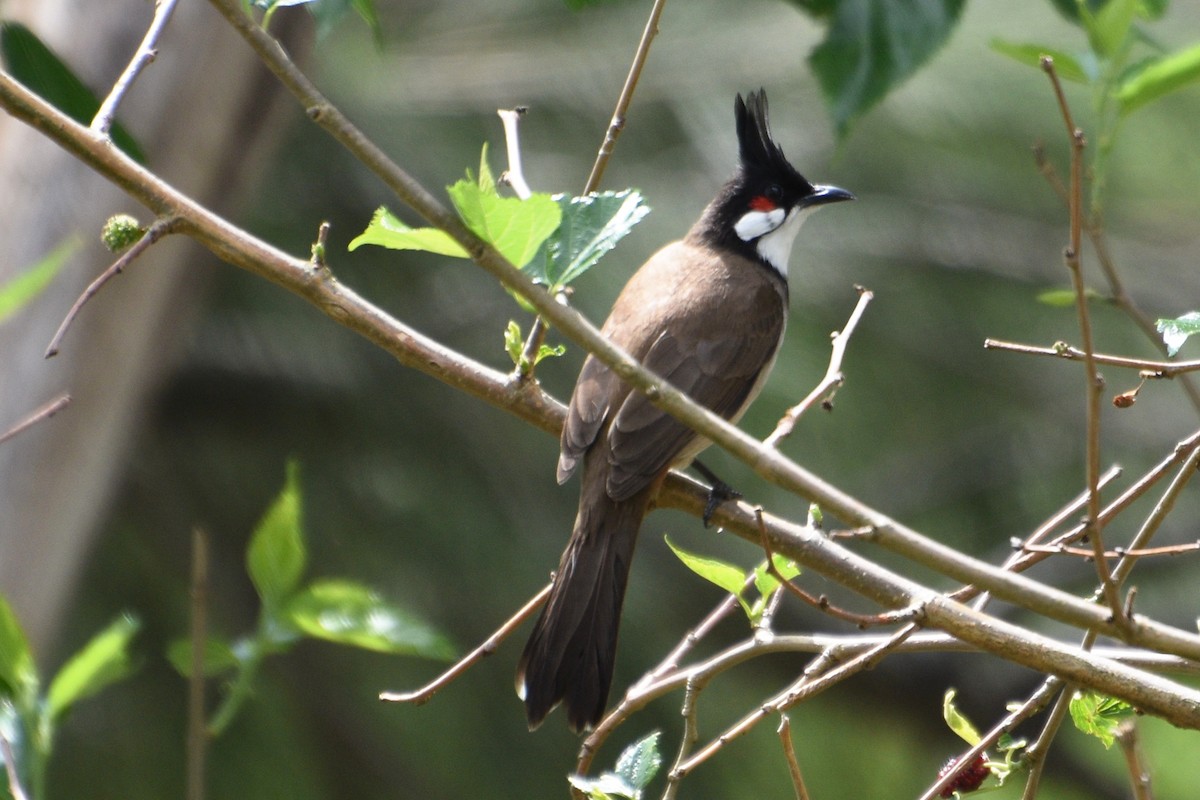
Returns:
<point x="827" y="194"/>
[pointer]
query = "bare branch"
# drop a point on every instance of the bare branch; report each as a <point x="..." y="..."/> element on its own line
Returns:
<point x="426" y="693"/>
<point x="45" y="412"/>
<point x="160" y="228"/>
<point x="1139" y="775"/>
<point x="146" y="53"/>
<point x="1151" y="369"/>
<point x="833" y="379"/>
<point x="631" y="80"/>
<point x="197" y="734"/>
<point x="789" y="753"/>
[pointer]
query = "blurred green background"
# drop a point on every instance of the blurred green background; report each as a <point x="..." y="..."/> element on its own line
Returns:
<point x="449" y="507"/>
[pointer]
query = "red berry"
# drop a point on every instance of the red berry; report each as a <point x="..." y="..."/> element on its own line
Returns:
<point x="967" y="780"/>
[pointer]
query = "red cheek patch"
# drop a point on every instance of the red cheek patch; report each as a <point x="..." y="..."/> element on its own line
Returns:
<point x="762" y="203"/>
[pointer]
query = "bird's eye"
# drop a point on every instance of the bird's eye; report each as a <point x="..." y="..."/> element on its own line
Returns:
<point x="774" y="193"/>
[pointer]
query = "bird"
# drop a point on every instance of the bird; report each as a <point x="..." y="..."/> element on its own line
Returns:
<point x="707" y="314"/>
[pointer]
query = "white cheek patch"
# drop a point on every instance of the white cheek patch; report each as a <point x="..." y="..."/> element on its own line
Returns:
<point x="754" y="224"/>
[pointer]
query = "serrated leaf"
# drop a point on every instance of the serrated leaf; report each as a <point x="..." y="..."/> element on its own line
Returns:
<point x="276" y="556"/>
<point x="1098" y="715"/>
<point x="516" y="228"/>
<point x="218" y="657"/>
<point x="1158" y="77"/>
<point x="386" y="230"/>
<point x="34" y="64"/>
<point x="349" y="613"/>
<point x="872" y="46"/>
<point x="1067" y="66"/>
<point x="102" y="662"/>
<point x="591" y="226"/>
<point x="18" y="673"/>
<point x="19" y="291"/>
<point x="1176" y="331"/>
<point x="640" y="761"/>
<point x="957" y="721"/>
<point x="721" y="573"/>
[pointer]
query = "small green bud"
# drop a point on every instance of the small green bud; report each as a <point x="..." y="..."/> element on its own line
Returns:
<point x="120" y="232"/>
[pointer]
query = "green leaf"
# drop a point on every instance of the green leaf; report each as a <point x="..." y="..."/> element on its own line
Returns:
<point x="873" y="45"/>
<point x="636" y="767"/>
<point x="1158" y="77"/>
<point x="36" y="66"/>
<point x="1109" y="26"/>
<point x="723" y="574"/>
<point x="1067" y="66"/>
<point x="640" y="761"/>
<point x="218" y="657"/>
<point x="514" y="342"/>
<point x="765" y="582"/>
<point x="386" y="230"/>
<point x="276" y="555"/>
<point x="1152" y="9"/>
<point x="21" y="290"/>
<point x="18" y="673"/>
<point x="349" y="613"/>
<point x="516" y="228"/>
<point x="1070" y="8"/>
<point x="102" y="662"/>
<point x="1176" y="331"/>
<point x="957" y="721"/>
<point x="591" y="226"/>
<point x="1064" y="298"/>
<point x="1098" y="715"/>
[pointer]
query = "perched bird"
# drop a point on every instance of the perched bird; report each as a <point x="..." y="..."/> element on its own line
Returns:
<point x="706" y="314"/>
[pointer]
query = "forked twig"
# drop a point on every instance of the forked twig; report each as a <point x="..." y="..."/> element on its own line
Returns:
<point x="156" y="231"/>
<point x="426" y="692"/>
<point x="1095" y="384"/>
<point x="824" y="391"/>
<point x="1151" y="369"/>
<point x="146" y="52"/>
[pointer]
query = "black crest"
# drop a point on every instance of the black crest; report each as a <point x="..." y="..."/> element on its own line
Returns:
<point x="759" y="152"/>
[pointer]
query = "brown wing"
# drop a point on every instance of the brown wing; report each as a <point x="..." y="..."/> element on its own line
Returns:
<point x="720" y="370"/>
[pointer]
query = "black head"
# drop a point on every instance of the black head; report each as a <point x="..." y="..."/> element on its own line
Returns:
<point x="759" y="210"/>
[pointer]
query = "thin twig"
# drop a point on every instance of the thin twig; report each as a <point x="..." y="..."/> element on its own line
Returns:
<point x="824" y="391"/>
<point x="1118" y="295"/>
<point x="802" y="689"/>
<point x="160" y="228"/>
<point x="146" y="52"/>
<point x="1139" y="775"/>
<point x="1095" y="384"/>
<point x="425" y="693"/>
<point x="1154" y="520"/>
<point x="43" y="413"/>
<point x="691" y="735"/>
<point x="10" y="767"/>
<point x="822" y="603"/>
<point x="789" y="754"/>
<point x="197" y="738"/>
<point x="1035" y="754"/>
<point x="1120" y="552"/>
<point x="1149" y="368"/>
<point x="617" y="124"/>
<point x="514" y="176"/>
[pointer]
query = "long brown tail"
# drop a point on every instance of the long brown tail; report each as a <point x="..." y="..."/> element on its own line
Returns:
<point x="569" y="656"/>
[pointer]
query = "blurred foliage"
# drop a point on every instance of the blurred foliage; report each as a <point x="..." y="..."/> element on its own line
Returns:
<point x="451" y="505"/>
